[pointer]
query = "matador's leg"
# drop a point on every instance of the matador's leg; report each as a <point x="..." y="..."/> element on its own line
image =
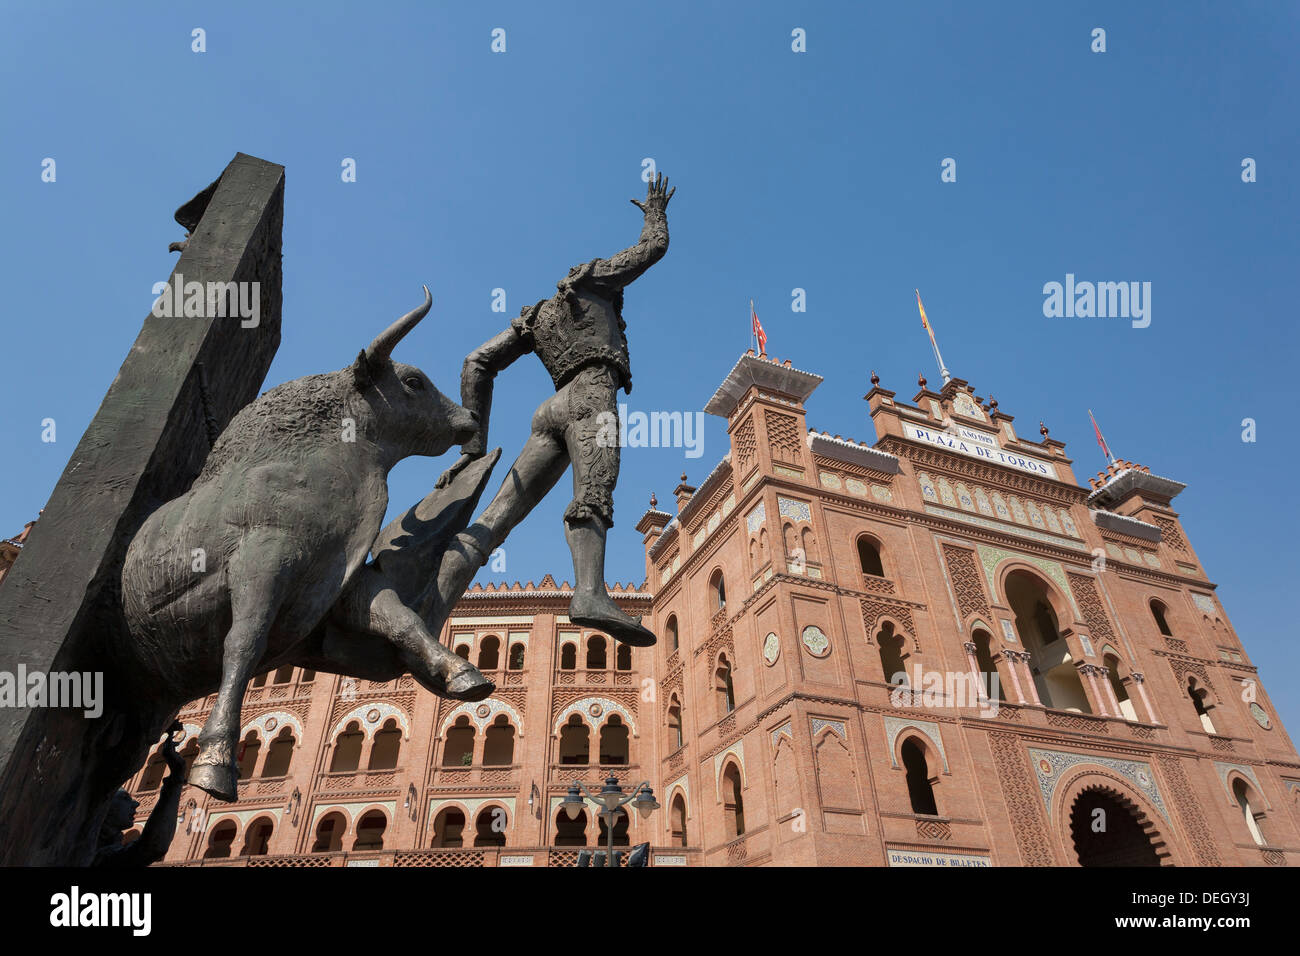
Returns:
<point x="534" y="473"/>
<point x="592" y="442"/>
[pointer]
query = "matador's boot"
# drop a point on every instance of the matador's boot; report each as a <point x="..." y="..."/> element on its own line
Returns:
<point x="591" y="605"/>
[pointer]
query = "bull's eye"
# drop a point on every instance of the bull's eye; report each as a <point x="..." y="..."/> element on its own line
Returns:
<point x="413" y="382"/>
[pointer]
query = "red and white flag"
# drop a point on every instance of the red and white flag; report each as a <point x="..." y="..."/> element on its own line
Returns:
<point x="1105" y="449"/>
<point x="756" y="329"/>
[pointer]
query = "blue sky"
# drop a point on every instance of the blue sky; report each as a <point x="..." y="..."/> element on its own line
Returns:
<point x="818" y="170"/>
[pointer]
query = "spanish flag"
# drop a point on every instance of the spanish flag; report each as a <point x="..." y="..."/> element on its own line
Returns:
<point x="756" y="329"/>
<point x="925" y="323"/>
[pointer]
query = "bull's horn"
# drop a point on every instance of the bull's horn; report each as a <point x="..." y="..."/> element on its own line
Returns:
<point x="382" y="347"/>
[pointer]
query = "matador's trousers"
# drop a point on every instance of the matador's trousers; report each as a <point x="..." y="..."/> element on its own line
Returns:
<point x="583" y="416"/>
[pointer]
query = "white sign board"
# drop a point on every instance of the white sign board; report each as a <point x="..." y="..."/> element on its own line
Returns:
<point x="927" y="858"/>
<point x="977" y="449"/>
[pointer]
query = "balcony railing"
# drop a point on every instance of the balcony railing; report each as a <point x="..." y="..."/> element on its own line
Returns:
<point x="344" y="780"/>
<point x="458" y="857"/>
<point x="589" y="773"/>
<point x="877" y="584"/>
<point x="502" y="774"/>
<point x="598" y="676"/>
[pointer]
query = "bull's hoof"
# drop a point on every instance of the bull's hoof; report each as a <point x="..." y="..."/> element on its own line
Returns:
<point x="469" y="684"/>
<point x="588" y="610"/>
<point x="219" y="780"/>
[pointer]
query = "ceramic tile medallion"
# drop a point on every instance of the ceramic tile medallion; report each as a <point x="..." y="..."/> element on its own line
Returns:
<point x="1260" y="715"/>
<point x="771" y="649"/>
<point x="818" y="644"/>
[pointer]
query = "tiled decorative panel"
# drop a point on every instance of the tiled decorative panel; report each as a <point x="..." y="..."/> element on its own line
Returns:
<point x="1050" y="765"/>
<point x="896" y="725"/>
<point x="790" y="508"/>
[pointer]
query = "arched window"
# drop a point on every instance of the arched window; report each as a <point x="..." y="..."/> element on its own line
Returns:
<point x="718" y="591"/>
<point x="733" y="802"/>
<point x="347" y="749"/>
<point x="283" y="675"/>
<point x="1158" y="611"/>
<point x="809" y="545"/>
<point x="677" y="821"/>
<point x="620" y="830"/>
<point x="489" y="827"/>
<point x="462" y="651"/>
<point x="675" y="722"/>
<point x="919" y="787"/>
<point x="188" y="753"/>
<point x="1200" y="697"/>
<point x="279" y="754"/>
<point x="329" y="833"/>
<point x="458" y="751"/>
<point x="257" y="837"/>
<point x="248" y="752"/>
<point x="307" y="676"/>
<point x="259" y="680"/>
<point x="869" y="557"/>
<point x="671" y="630"/>
<point x="1050" y="665"/>
<point x="1248" y="811"/>
<point x="370" y="831"/>
<point x="387" y="746"/>
<point x="575" y="742"/>
<point x="489" y="653"/>
<point x="449" y="828"/>
<point x="153" y="772"/>
<point x="1111" y="662"/>
<point x="568" y="656"/>
<point x="220" y="840"/>
<point x="991" y="682"/>
<point x="613" y="741"/>
<point x="499" y="743"/>
<point x="517" y="652"/>
<point x="570" y="832"/>
<point x="892" y="657"/>
<point x="595" y="653"/>
<point x="723" y="687"/>
<point x="623" y="657"/>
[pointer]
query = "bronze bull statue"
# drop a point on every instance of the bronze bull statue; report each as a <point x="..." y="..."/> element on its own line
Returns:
<point x="262" y="562"/>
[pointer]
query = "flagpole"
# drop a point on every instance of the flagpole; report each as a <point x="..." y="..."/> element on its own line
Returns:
<point x="753" y="337"/>
<point x="934" y="343"/>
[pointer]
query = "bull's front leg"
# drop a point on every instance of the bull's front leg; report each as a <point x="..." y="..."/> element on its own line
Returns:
<point x="255" y="596"/>
<point x="371" y="606"/>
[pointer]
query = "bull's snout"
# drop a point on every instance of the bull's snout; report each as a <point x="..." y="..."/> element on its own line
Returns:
<point x="464" y="423"/>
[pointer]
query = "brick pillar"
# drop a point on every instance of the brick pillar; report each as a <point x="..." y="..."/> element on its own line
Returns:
<point x="1011" y="657"/>
<point x="1090" y="671"/>
<point x="1146" y="701"/>
<point x="974" y="670"/>
<point x="1110" y="690"/>
<point x="1025" y="657"/>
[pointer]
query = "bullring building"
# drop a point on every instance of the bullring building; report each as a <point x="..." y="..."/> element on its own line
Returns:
<point x="928" y="647"/>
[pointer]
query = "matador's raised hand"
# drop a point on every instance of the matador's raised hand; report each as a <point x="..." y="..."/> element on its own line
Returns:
<point x="657" y="195"/>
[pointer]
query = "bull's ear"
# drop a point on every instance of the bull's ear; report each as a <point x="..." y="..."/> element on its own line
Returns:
<point x="361" y="376"/>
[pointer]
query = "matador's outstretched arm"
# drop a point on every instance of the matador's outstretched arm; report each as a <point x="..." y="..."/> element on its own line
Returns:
<point x="476" y="380"/>
<point x="622" y="268"/>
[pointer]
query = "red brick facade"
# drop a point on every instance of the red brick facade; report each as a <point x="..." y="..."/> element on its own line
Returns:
<point x="790" y="591"/>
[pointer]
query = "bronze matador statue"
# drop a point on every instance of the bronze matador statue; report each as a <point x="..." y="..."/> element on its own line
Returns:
<point x="156" y="836"/>
<point x="578" y="334"/>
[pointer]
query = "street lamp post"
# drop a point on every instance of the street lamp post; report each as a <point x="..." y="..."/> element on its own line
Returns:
<point x="610" y="799"/>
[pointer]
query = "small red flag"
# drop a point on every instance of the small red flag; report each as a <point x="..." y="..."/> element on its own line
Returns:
<point x="1100" y="441"/>
<point x="756" y="328"/>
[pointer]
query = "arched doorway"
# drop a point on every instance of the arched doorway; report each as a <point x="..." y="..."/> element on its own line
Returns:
<point x="1107" y="830"/>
